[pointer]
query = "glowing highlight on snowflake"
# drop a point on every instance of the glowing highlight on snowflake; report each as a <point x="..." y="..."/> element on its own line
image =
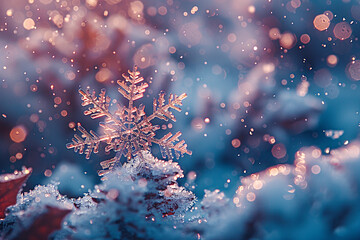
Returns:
<point x="128" y="131"/>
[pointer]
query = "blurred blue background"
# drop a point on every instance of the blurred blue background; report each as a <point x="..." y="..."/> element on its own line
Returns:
<point x="263" y="78"/>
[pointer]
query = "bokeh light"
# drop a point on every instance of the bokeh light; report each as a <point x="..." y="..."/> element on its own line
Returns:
<point x="18" y="134"/>
<point x="321" y="22"/>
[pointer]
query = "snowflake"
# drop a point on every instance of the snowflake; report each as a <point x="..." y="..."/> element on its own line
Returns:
<point x="128" y="130"/>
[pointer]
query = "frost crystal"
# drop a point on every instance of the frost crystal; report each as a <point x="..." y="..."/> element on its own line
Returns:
<point x="128" y="131"/>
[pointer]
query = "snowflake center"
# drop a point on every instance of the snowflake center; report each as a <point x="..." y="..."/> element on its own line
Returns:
<point x="132" y="132"/>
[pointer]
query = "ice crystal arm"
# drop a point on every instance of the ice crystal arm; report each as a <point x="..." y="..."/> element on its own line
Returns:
<point x="130" y="89"/>
<point x="108" y="165"/>
<point x="87" y="142"/>
<point x="100" y="105"/>
<point x="161" y="110"/>
<point x="167" y="142"/>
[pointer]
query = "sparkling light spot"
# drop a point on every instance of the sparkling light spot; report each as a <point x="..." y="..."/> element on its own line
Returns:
<point x="63" y="113"/>
<point x="342" y="30"/>
<point x="9" y="12"/>
<point x="329" y="14"/>
<point x="235" y="143"/>
<point x="231" y="37"/>
<point x="191" y="175"/>
<point x="251" y="9"/>
<point x="274" y="33"/>
<point x="316" y="153"/>
<point x="103" y="75"/>
<point x="29" y="24"/>
<point x="48" y="173"/>
<point x="194" y="9"/>
<point x="353" y="70"/>
<point x="19" y="156"/>
<point x="278" y="150"/>
<point x="332" y="60"/>
<point x="287" y="40"/>
<point x="315" y="169"/>
<point x="274" y="171"/>
<point x="257" y="184"/>
<point x="57" y="100"/>
<point x="305" y="38"/>
<point x="162" y="10"/>
<point x="321" y="22"/>
<point x="295" y="3"/>
<point x="251" y="196"/>
<point x="18" y="134"/>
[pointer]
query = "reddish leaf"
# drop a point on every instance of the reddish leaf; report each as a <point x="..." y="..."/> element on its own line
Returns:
<point x="10" y="185"/>
<point x="45" y="224"/>
<point x="168" y="214"/>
